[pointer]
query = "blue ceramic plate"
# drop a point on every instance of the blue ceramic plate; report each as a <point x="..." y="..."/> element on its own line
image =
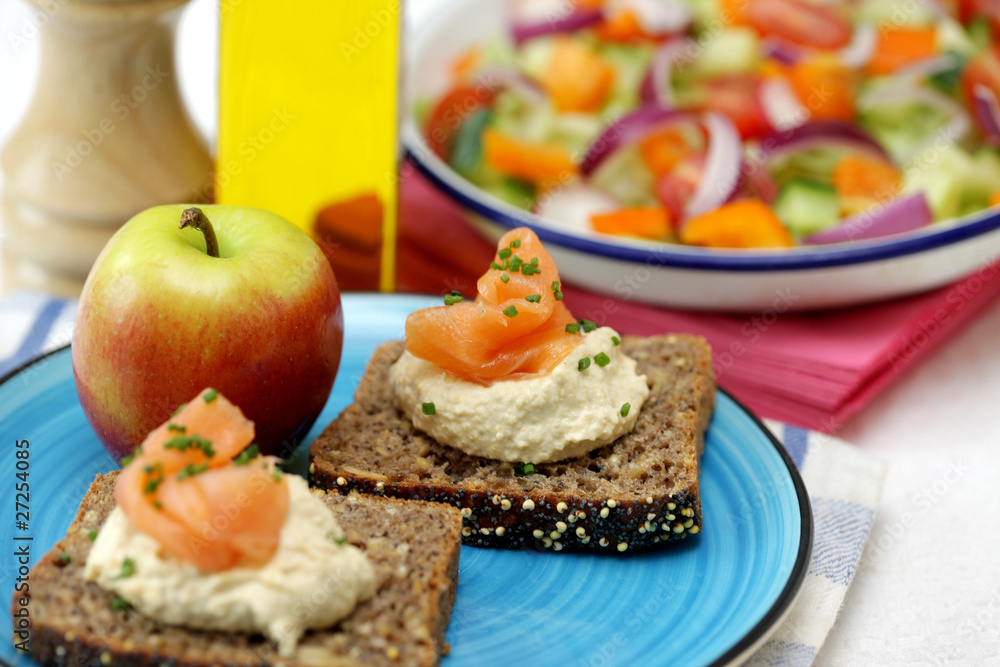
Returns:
<point x="706" y="600"/>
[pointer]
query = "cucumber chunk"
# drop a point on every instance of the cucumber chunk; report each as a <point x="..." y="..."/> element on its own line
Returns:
<point x="807" y="207"/>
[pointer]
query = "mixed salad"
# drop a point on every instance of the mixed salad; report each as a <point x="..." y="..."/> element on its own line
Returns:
<point x="731" y="123"/>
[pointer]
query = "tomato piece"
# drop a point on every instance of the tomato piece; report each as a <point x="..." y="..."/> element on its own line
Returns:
<point x="804" y="23"/>
<point x="736" y="97"/>
<point x="982" y="69"/>
<point x="674" y="189"/>
<point x="451" y="112"/>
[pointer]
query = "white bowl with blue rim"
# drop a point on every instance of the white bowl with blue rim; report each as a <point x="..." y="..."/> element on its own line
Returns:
<point x="813" y="277"/>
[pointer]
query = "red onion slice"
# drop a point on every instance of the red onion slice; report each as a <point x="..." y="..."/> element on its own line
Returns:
<point x="900" y="215"/>
<point x="535" y="18"/>
<point x="573" y="205"/>
<point x="657" y="86"/>
<point x="816" y="134"/>
<point x="987" y="112"/>
<point x="861" y="48"/>
<point x="497" y="77"/>
<point x="928" y="66"/>
<point x="855" y="55"/>
<point x="656" y="17"/>
<point x="780" y="104"/>
<point x="627" y="129"/>
<point x="722" y="166"/>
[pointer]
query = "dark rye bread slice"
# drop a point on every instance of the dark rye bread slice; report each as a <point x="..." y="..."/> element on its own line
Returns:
<point x="635" y="492"/>
<point x="72" y="622"/>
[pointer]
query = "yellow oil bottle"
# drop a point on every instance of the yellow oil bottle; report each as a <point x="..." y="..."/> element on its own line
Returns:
<point x="308" y="124"/>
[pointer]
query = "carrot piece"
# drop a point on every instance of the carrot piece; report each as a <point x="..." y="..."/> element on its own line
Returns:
<point x="664" y="149"/>
<point x="861" y="181"/>
<point x="466" y="62"/>
<point x="733" y="12"/>
<point x="648" y="223"/>
<point x="747" y="223"/>
<point x="899" y="46"/>
<point x="528" y="160"/>
<point x="621" y="26"/>
<point x="825" y="87"/>
<point x="576" y="78"/>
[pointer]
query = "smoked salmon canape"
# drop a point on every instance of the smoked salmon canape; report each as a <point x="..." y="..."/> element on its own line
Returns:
<point x="181" y="484"/>
<point x="517" y="326"/>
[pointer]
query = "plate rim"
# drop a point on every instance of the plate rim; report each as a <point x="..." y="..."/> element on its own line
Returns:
<point x="770" y="622"/>
<point x="778" y="610"/>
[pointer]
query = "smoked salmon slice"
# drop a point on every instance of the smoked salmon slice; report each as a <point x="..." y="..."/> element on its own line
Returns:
<point x="184" y="489"/>
<point x="515" y="328"/>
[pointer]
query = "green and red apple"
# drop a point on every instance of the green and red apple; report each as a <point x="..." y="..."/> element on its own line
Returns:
<point x="161" y="318"/>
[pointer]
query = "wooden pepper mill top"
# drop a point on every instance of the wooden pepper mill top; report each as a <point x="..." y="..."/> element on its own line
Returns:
<point x="106" y="136"/>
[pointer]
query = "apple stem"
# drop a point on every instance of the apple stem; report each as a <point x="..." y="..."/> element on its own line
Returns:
<point x="195" y="217"/>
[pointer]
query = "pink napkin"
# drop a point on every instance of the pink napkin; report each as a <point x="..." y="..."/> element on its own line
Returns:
<point x="816" y="370"/>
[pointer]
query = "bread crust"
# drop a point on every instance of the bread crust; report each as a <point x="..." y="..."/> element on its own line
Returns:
<point x="641" y="490"/>
<point x="72" y="622"/>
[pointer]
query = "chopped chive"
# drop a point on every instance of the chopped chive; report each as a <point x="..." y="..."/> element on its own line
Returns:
<point x="529" y="270"/>
<point x="602" y="359"/>
<point x="588" y="326"/>
<point x="494" y="265"/>
<point x="177" y="428"/>
<point x="555" y="285"/>
<point x="523" y="469"/>
<point x="210" y="396"/>
<point x="153" y="482"/>
<point x="92" y="535"/>
<point x="572" y="328"/>
<point x="583" y="364"/>
<point x="64" y="558"/>
<point x="505" y="253"/>
<point x="515" y="263"/>
<point x="558" y="295"/>
<point x="183" y="443"/>
<point x="276" y="474"/>
<point x="157" y="505"/>
<point x="505" y="278"/>
<point x="128" y="569"/>
<point x="179" y="408"/>
<point x="625" y="409"/>
<point x="516" y="243"/>
<point x="453" y="298"/>
<point x="505" y="265"/>
<point x="533" y="298"/>
<point x="534" y="262"/>
<point x="247" y="455"/>
<point x="617" y="341"/>
<point x="120" y="604"/>
<point x="510" y="311"/>
<point x="191" y="470"/>
<point x="428" y="409"/>
<point x="341" y="541"/>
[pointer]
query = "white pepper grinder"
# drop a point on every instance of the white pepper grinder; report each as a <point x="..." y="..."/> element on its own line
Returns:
<point x="106" y="136"/>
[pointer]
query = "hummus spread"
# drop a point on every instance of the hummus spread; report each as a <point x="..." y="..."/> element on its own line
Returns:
<point x="312" y="581"/>
<point x="589" y="400"/>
